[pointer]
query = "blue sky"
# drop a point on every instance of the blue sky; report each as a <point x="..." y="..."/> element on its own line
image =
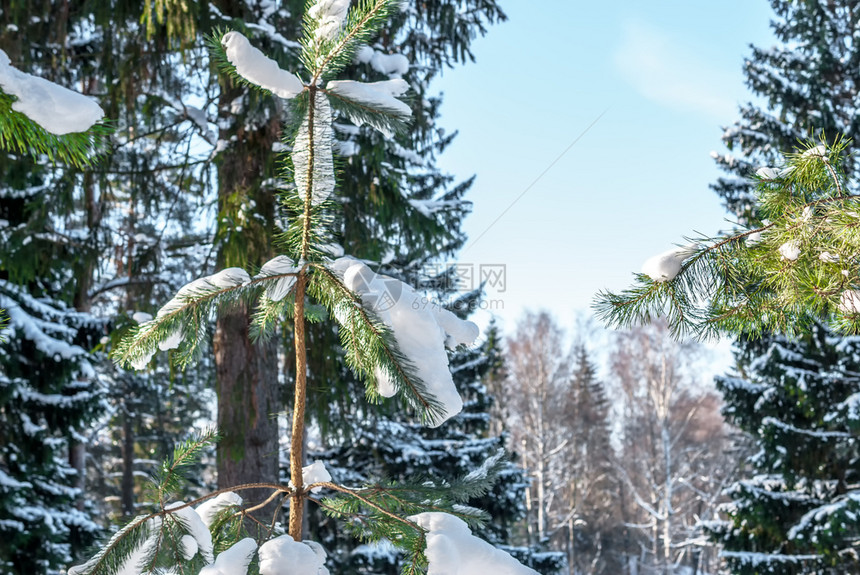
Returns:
<point x="655" y="80"/>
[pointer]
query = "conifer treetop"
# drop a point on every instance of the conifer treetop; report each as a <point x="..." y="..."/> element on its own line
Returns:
<point x="795" y="263"/>
<point x="391" y="338"/>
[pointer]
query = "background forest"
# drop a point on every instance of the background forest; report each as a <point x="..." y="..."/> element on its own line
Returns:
<point x="624" y="458"/>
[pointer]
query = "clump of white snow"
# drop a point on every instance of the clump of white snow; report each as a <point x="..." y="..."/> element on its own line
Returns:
<point x="315" y="473"/>
<point x="376" y="95"/>
<point x="259" y="69"/>
<point x="393" y="65"/>
<point x="753" y="238"/>
<point x="141" y="316"/>
<point x="849" y="301"/>
<point x="274" y="267"/>
<point x="666" y="266"/>
<point x="790" y="250"/>
<point x="818" y="151"/>
<point x="209" y="509"/>
<point x="172" y="341"/>
<point x="200" y="537"/>
<point x="285" y="556"/>
<point x="319" y="177"/>
<point x="420" y="328"/>
<point x="828" y="257"/>
<point x="233" y="561"/>
<point x="226" y="278"/>
<point x="453" y="550"/>
<point x="767" y="173"/>
<point x="57" y="109"/>
<point x="330" y="15"/>
<point x="382" y="94"/>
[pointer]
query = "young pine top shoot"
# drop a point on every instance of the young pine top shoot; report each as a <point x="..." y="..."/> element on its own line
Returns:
<point x="391" y="338"/>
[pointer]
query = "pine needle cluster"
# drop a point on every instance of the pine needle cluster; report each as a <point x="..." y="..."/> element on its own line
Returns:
<point x="795" y="262"/>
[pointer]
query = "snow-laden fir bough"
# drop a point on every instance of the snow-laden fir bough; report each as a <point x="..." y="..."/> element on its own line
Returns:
<point x="395" y="345"/>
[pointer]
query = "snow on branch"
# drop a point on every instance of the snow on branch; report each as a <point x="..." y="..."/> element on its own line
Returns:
<point x="182" y="322"/>
<point x="373" y="103"/>
<point x="258" y="69"/>
<point x="313" y="165"/>
<point x="794" y="266"/>
<point x="57" y="109"/>
<point x="453" y="550"/>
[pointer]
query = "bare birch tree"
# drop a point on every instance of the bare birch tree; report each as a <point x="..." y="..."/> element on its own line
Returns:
<point x="673" y="443"/>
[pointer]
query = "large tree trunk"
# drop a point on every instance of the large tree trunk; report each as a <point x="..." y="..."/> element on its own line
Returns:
<point x="247" y="407"/>
<point x="246" y="372"/>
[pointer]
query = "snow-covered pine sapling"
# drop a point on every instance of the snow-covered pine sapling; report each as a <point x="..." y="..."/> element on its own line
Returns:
<point x="794" y="264"/>
<point x="391" y="339"/>
<point x="38" y="117"/>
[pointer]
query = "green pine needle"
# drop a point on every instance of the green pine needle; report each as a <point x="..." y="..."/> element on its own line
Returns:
<point x="192" y="319"/>
<point x="324" y="58"/>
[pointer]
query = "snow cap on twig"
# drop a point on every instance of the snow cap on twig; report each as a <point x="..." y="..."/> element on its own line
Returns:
<point x="666" y="266"/>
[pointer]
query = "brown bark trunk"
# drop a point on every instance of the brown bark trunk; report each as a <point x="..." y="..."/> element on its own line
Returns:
<point x="246" y="372"/>
<point x="247" y="405"/>
<point x="81" y="302"/>
<point x="127" y="485"/>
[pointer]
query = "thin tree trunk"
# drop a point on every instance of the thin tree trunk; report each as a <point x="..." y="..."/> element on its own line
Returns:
<point x="82" y="303"/>
<point x="127" y="485"/>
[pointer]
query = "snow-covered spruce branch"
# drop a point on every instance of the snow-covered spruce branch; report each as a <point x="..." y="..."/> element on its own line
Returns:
<point x="332" y="33"/>
<point x="797" y="266"/>
<point x="40" y="118"/>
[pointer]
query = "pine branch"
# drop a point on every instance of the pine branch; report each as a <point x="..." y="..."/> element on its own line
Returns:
<point x="111" y="558"/>
<point x="187" y="318"/>
<point x="172" y="474"/>
<point x="369" y="344"/>
<point x="387" y="119"/>
<point x="800" y="266"/>
<point x="218" y="55"/>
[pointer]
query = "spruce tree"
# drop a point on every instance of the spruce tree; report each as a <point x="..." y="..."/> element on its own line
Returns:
<point x="137" y="211"/>
<point x="803" y="272"/>
<point x="809" y="83"/>
<point x="49" y="393"/>
<point x="395" y="346"/>
<point x="591" y="534"/>
<point x="795" y="510"/>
